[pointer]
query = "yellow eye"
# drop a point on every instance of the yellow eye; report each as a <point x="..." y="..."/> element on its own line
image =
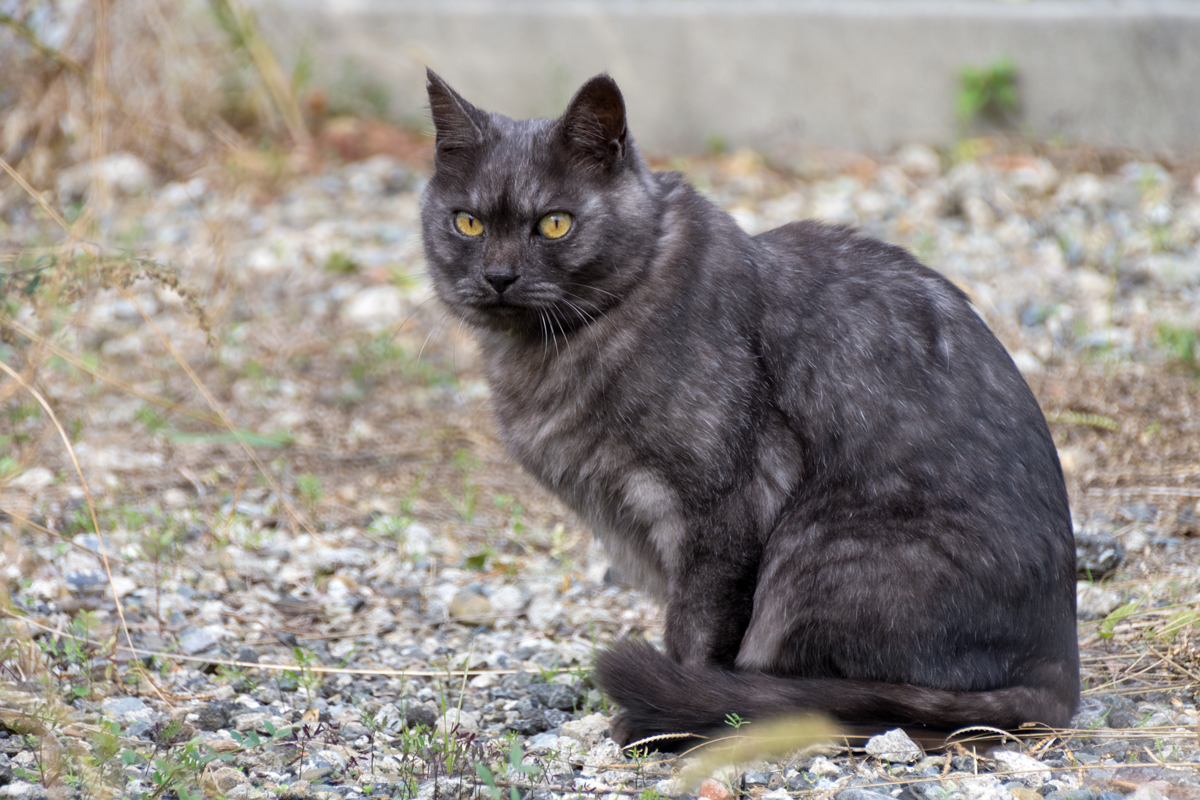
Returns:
<point x="555" y="225"/>
<point x="468" y="224"/>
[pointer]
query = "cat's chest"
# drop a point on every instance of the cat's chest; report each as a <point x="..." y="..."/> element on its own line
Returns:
<point x="558" y="422"/>
<point x="584" y="438"/>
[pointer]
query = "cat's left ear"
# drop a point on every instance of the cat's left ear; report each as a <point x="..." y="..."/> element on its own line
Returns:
<point x="594" y="123"/>
<point x="459" y="125"/>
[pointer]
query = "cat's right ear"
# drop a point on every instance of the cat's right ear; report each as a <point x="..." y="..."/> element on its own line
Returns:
<point x="458" y="124"/>
<point x="594" y="123"/>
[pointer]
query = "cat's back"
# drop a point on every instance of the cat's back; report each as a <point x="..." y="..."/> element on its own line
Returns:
<point x="865" y="308"/>
<point x="885" y="366"/>
<point x="815" y="260"/>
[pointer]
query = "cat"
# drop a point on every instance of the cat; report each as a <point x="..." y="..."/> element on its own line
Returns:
<point x="805" y="444"/>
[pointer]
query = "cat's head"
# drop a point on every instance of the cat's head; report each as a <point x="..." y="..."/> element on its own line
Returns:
<point x="537" y="226"/>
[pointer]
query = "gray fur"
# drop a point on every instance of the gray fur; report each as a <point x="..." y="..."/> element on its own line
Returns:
<point x="806" y="444"/>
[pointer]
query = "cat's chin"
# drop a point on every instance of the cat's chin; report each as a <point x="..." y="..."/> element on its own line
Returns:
<point x="514" y="321"/>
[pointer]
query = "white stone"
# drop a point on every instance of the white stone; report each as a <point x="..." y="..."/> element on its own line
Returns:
<point x="544" y="612"/>
<point x="123" y="586"/>
<point x="919" y="161"/>
<point x="588" y="731"/>
<point x="1029" y="771"/>
<point x="1037" y="176"/>
<point x="986" y="787"/>
<point x="116" y="459"/>
<point x="822" y="767"/>
<point x="373" y="308"/>
<point x="466" y="721"/>
<point x="264" y="260"/>
<point x="508" y="600"/>
<point x="894" y="746"/>
<point x="46" y="588"/>
<point x="1028" y="363"/>
<point x="33" y="480"/>
<point x="417" y="541"/>
<point x="978" y="213"/>
<point x="1094" y="600"/>
<point x="482" y="681"/>
<point x="118" y="173"/>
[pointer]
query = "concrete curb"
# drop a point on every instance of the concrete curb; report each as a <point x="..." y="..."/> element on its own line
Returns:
<point x="862" y="75"/>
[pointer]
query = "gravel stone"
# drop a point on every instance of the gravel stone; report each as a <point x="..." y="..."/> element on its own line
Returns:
<point x="123" y="706"/>
<point x="197" y="641"/>
<point x="211" y="717"/>
<point x="984" y="787"/>
<point x="1072" y="794"/>
<point x="714" y="790"/>
<point x="1095" y="601"/>
<point x="458" y="720"/>
<point x="420" y="714"/>
<point x="321" y="765"/>
<point x="471" y="607"/>
<point x="1029" y="771"/>
<point x="297" y="790"/>
<point x="374" y="308"/>
<point x="555" y="695"/>
<point x="894" y="746"/>
<point x="247" y="655"/>
<point x="755" y="778"/>
<point x="1097" y="555"/>
<point x="449" y="789"/>
<point x="861" y="794"/>
<point x="588" y="731"/>
<point x="224" y="779"/>
<point x="119" y="173"/>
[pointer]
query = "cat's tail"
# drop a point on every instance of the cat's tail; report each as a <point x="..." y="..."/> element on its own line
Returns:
<point x="659" y="696"/>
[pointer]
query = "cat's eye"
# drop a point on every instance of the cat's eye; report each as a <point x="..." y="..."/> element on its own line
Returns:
<point x="468" y="224"/>
<point x="555" y="225"/>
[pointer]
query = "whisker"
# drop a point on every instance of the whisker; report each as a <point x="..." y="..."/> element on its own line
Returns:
<point x="432" y="331"/>
<point x="549" y="321"/>
<point x="593" y="288"/>
<point x="584" y="300"/>
<point x="563" y="328"/>
<point x="545" y="335"/>
<point x="396" y="330"/>
<point x="454" y="364"/>
<point x="583" y="316"/>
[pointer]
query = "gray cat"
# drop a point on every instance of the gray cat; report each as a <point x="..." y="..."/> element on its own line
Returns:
<point x="805" y="444"/>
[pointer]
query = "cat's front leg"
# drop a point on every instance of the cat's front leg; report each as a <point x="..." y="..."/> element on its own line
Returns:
<point x="710" y="598"/>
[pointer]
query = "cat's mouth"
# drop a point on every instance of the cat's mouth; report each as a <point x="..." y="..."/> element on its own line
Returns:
<point x="501" y="310"/>
<point x="531" y="317"/>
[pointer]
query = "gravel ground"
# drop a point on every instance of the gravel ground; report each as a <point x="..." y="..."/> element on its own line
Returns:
<point x="301" y="610"/>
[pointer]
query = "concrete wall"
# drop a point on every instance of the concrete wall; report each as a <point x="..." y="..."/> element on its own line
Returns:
<point x="862" y="75"/>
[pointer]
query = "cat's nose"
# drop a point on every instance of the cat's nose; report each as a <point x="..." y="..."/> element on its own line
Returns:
<point x="500" y="279"/>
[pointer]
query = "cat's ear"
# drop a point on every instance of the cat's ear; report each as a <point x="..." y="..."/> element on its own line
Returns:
<point x="594" y="123"/>
<point x="459" y="125"/>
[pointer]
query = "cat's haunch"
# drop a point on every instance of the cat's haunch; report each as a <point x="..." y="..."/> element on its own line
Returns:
<point x="805" y="443"/>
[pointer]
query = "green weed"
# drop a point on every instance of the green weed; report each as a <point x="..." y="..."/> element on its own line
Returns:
<point x="1179" y="343"/>
<point x="310" y="490"/>
<point x="735" y="721"/>
<point x="339" y="263"/>
<point x="515" y="764"/>
<point x="468" y="495"/>
<point x="304" y="677"/>
<point x="990" y="90"/>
